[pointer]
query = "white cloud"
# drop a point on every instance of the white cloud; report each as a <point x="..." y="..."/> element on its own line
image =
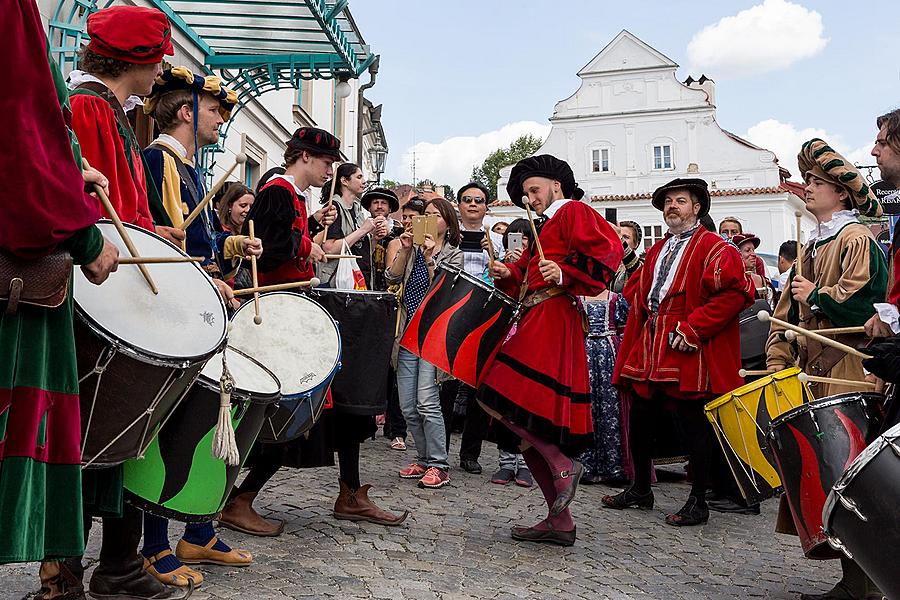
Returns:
<point x="451" y="161"/>
<point x="765" y="37"/>
<point x="785" y="141"/>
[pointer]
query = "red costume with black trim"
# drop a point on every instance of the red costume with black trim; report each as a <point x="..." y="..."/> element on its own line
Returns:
<point x="539" y="379"/>
<point x="281" y="222"/>
<point x="708" y="292"/>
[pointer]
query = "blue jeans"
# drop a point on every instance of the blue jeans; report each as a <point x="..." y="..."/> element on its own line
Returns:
<point x="421" y="406"/>
<point x="511" y="461"/>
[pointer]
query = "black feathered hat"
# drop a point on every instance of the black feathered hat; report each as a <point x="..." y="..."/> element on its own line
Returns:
<point x="380" y="193"/>
<point x="698" y="186"/>
<point x="543" y="165"/>
<point x="315" y="141"/>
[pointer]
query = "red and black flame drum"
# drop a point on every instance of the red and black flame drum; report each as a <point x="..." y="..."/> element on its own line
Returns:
<point x="460" y="325"/>
<point x="813" y="445"/>
<point x="861" y="516"/>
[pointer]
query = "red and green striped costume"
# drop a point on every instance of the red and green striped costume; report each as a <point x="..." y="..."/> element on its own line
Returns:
<point x="40" y="426"/>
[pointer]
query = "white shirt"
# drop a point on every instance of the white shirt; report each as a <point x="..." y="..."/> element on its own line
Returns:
<point x="77" y="77"/>
<point x="474" y="263"/>
<point x="829" y="228"/>
<point x="290" y="179"/>
<point x="168" y="140"/>
<point x="660" y="259"/>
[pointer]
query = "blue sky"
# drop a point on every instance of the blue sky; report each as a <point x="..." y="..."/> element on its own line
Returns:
<point x="467" y="68"/>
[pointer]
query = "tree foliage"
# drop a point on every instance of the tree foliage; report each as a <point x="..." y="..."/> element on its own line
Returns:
<point x="489" y="172"/>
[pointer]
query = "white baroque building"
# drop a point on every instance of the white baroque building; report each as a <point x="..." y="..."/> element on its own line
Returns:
<point x="633" y="126"/>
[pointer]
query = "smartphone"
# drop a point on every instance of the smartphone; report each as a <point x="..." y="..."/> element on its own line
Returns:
<point x="423" y="225"/>
<point x="515" y="241"/>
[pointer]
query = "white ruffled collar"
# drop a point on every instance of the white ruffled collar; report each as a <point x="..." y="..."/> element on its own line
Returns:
<point x="829" y="228"/>
<point x="77" y="77"/>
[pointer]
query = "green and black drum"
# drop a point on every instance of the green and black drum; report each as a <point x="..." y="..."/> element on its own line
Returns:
<point x="178" y="477"/>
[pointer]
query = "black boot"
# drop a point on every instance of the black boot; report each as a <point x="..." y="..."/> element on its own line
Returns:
<point x="120" y="574"/>
<point x="854" y="585"/>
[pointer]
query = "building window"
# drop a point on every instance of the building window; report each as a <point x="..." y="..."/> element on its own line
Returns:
<point x="662" y="157"/>
<point x="600" y="160"/>
<point x="652" y="234"/>
<point x="256" y="161"/>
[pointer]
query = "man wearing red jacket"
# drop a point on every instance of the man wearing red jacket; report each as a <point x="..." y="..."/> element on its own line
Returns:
<point x="681" y="346"/>
<point x="119" y="66"/>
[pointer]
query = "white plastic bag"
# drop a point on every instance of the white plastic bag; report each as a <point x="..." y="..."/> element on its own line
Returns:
<point x="348" y="275"/>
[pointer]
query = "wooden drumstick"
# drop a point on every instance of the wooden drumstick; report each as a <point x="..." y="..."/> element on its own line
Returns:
<point x="256" y="318"/>
<point x="337" y="256"/>
<point x="239" y="159"/>
<point x="537" y="241"/>
<point x="825" y="341"/>
<point x="158" y="260"/>
<point x="831" y="380"/>
<point x="746" y="373"/>
<point x="799" y="216"/>
<point x="123" y="233"/>
<point x="334" y="166"/>
<point x="278" y="287"/>
<point x="792" y="335"/>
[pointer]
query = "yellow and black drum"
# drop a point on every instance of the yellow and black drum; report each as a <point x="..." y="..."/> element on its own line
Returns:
<point x="741" y="421"/>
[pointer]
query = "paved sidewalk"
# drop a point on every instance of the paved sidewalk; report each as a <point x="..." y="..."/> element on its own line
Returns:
<point x="456" y="546"/>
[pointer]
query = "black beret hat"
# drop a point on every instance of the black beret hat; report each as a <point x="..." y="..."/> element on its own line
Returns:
<point x="315" y="141"/>
<point x="543" y="165"/>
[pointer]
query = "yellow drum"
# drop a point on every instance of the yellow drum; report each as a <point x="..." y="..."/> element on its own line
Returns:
<point x="741" y="420"/>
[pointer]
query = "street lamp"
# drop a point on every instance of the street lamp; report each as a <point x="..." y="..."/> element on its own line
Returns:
<point x="342" y="89"/>
<point x="378" y="154"/>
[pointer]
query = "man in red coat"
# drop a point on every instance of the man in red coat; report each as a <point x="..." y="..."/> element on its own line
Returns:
<point x="681" y="346"/>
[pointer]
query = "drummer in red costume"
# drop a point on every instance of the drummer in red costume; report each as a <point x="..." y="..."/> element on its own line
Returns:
<point x="538" y="386"/>
<point x="685" y="301"/>
<point x="119" y="67"/>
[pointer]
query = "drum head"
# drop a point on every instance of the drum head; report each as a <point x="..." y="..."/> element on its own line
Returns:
<point x="250" y="377"/>
<point x="186" y="320"/>
<point x="297" y="340"/>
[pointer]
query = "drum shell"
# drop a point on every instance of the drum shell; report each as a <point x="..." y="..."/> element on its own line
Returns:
<point x="178" y="477"/>
<point x="874" y="489"/>
<point x="741" y="420"/>
<point x="754" y="334"/>
<point x="114" y="412"/>
<point x="460" y="325"/>
<point x="367" y="321"/>
<point x="294" y="416"/>
<point x="813" y="445"/>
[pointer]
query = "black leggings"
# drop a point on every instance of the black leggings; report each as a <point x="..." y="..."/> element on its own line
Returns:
<point x="264" y="469"/>
<point x="698" y="431"/>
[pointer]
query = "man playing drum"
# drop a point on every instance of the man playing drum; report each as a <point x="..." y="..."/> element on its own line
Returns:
<point x="280" y="217"/>
<point x="538" y="385"/>
<point x="41" y="469"/>
<point x="681" y="345"/>
<point x="842" y="275"/>
<point x="188" y="109"/>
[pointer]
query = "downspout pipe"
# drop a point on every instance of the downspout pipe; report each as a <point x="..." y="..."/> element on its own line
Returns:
<point x="373" y="73"/>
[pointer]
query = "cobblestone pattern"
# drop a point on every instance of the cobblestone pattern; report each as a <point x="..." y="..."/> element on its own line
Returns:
<point x="456" y="546"/>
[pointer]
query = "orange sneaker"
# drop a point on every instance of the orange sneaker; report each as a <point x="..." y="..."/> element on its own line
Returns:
<point x="413" y="471"/>
<point x="434" y="478"/>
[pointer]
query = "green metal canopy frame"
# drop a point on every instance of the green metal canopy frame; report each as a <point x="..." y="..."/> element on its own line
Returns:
<point x="255" y="45"/>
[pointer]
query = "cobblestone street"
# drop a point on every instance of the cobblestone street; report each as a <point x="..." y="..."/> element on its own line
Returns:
<point x="456" y="546"/>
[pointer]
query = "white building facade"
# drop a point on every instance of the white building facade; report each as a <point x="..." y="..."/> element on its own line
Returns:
<point x="632" y="126"/>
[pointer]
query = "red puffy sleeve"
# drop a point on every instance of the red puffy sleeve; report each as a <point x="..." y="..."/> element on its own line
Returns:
<point x="727" y="290"/>
<point x="593" y="249"/>
<point x="94" y="122"/>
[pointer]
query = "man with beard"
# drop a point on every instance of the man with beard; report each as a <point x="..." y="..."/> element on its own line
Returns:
<point x="381" y="202"/>
<point x="681" y="346"/>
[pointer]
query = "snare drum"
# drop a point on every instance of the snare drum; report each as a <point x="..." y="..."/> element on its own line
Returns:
<point x="300" y="343"/>
<point x="813" y="445"/>
<point x="460" y="325"/>
<point x="367" y="321"/>
<point x="741" y="421"/>
<point x="178" y="477"/>
<point x="861" y="517"/>
<point x="139" y="352"/>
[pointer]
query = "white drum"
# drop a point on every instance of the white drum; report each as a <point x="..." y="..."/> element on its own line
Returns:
<point x="300" y="343"/>
<point x="139" y="352"/>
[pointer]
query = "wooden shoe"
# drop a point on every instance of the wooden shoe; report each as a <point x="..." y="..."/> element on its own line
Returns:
<point x="193" y="554"/>
<point x="183" y="576"/>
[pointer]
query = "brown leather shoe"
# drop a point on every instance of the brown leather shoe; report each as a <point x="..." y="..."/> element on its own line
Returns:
<point x="239" y="515"/>
<point x="59" y="582"/>
<point x="356" y="506"/>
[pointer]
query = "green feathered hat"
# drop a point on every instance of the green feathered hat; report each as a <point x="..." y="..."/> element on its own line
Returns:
<point x="821" y="160"/>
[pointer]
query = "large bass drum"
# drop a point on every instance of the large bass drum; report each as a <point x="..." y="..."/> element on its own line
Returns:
<point x="861" y="517"/>
<point x="139" y="352"/>
<point x="300" y="343"/>
<point x="178" y="477"/>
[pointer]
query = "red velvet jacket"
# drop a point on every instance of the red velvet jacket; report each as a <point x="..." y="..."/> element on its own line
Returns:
<point x="708" y="292"/>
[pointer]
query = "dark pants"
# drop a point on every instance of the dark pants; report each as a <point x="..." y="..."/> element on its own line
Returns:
<point x="265" y="467"/>
<point x="394" y="423"/>
<point x="447" y="392"/>
<point x="645" y="418"/>
<point x="476" y="427"/>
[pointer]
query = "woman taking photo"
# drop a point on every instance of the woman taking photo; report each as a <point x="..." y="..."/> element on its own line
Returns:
<point x="415" y="267"/>
<point x="353" y="224"/>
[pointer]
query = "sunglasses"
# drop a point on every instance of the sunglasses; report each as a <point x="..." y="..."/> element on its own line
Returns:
<point x="471" y="199"/>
